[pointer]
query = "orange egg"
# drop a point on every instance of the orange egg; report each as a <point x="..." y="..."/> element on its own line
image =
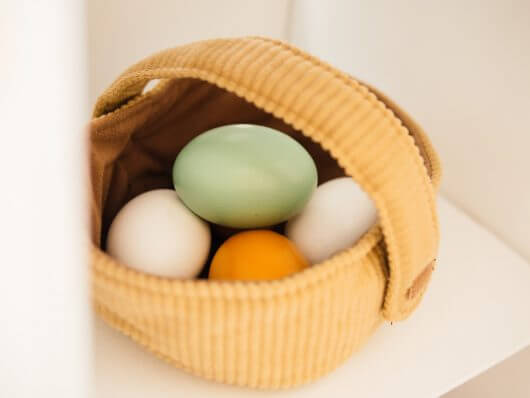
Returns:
<point x="256" y="255"/>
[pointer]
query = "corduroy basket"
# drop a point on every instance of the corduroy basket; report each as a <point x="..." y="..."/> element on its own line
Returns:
<point x="273" y="334"/>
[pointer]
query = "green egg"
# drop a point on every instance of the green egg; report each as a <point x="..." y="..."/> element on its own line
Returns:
<point x="244" y="176"/>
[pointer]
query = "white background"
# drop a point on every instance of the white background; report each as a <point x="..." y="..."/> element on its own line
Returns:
<point x="460" y="67"/>
<point x="44" y="307"/>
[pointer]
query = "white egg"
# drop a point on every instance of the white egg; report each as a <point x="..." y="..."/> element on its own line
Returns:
<point x="336" y="216"/>
<point x="155" y="233"/>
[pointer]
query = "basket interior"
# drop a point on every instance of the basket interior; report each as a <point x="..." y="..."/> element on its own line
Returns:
<point x="141" y="145"/>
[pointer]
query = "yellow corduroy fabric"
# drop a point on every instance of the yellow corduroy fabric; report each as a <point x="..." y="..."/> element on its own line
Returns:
<point x="281" y="333"/>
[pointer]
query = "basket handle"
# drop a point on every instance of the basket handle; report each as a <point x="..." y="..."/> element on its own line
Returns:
<point x="327" y="105"/>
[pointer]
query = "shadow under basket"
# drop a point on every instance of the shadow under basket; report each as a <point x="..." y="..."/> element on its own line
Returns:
<point x="270" y="334"/>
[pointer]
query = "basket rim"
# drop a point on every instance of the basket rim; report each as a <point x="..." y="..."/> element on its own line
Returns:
<point x="109" y="268"/>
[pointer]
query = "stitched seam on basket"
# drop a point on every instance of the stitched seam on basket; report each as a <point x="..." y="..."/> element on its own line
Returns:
<point x="134" y="101"/>
<point x="420" y="282"/>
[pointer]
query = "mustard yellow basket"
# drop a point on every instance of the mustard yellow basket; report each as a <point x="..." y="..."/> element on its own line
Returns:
<point x="273" y="334"/>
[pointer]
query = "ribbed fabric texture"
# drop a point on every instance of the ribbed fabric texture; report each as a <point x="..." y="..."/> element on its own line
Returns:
<point x="283" y="333"/>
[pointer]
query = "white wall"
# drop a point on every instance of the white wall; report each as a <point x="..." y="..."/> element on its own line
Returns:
<point x="125" y="31"/>
<point x="461" y="68"/>
<point x="44" y="306"/>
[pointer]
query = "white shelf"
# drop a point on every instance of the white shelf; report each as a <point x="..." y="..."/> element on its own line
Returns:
<point x="474" y="315"/>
